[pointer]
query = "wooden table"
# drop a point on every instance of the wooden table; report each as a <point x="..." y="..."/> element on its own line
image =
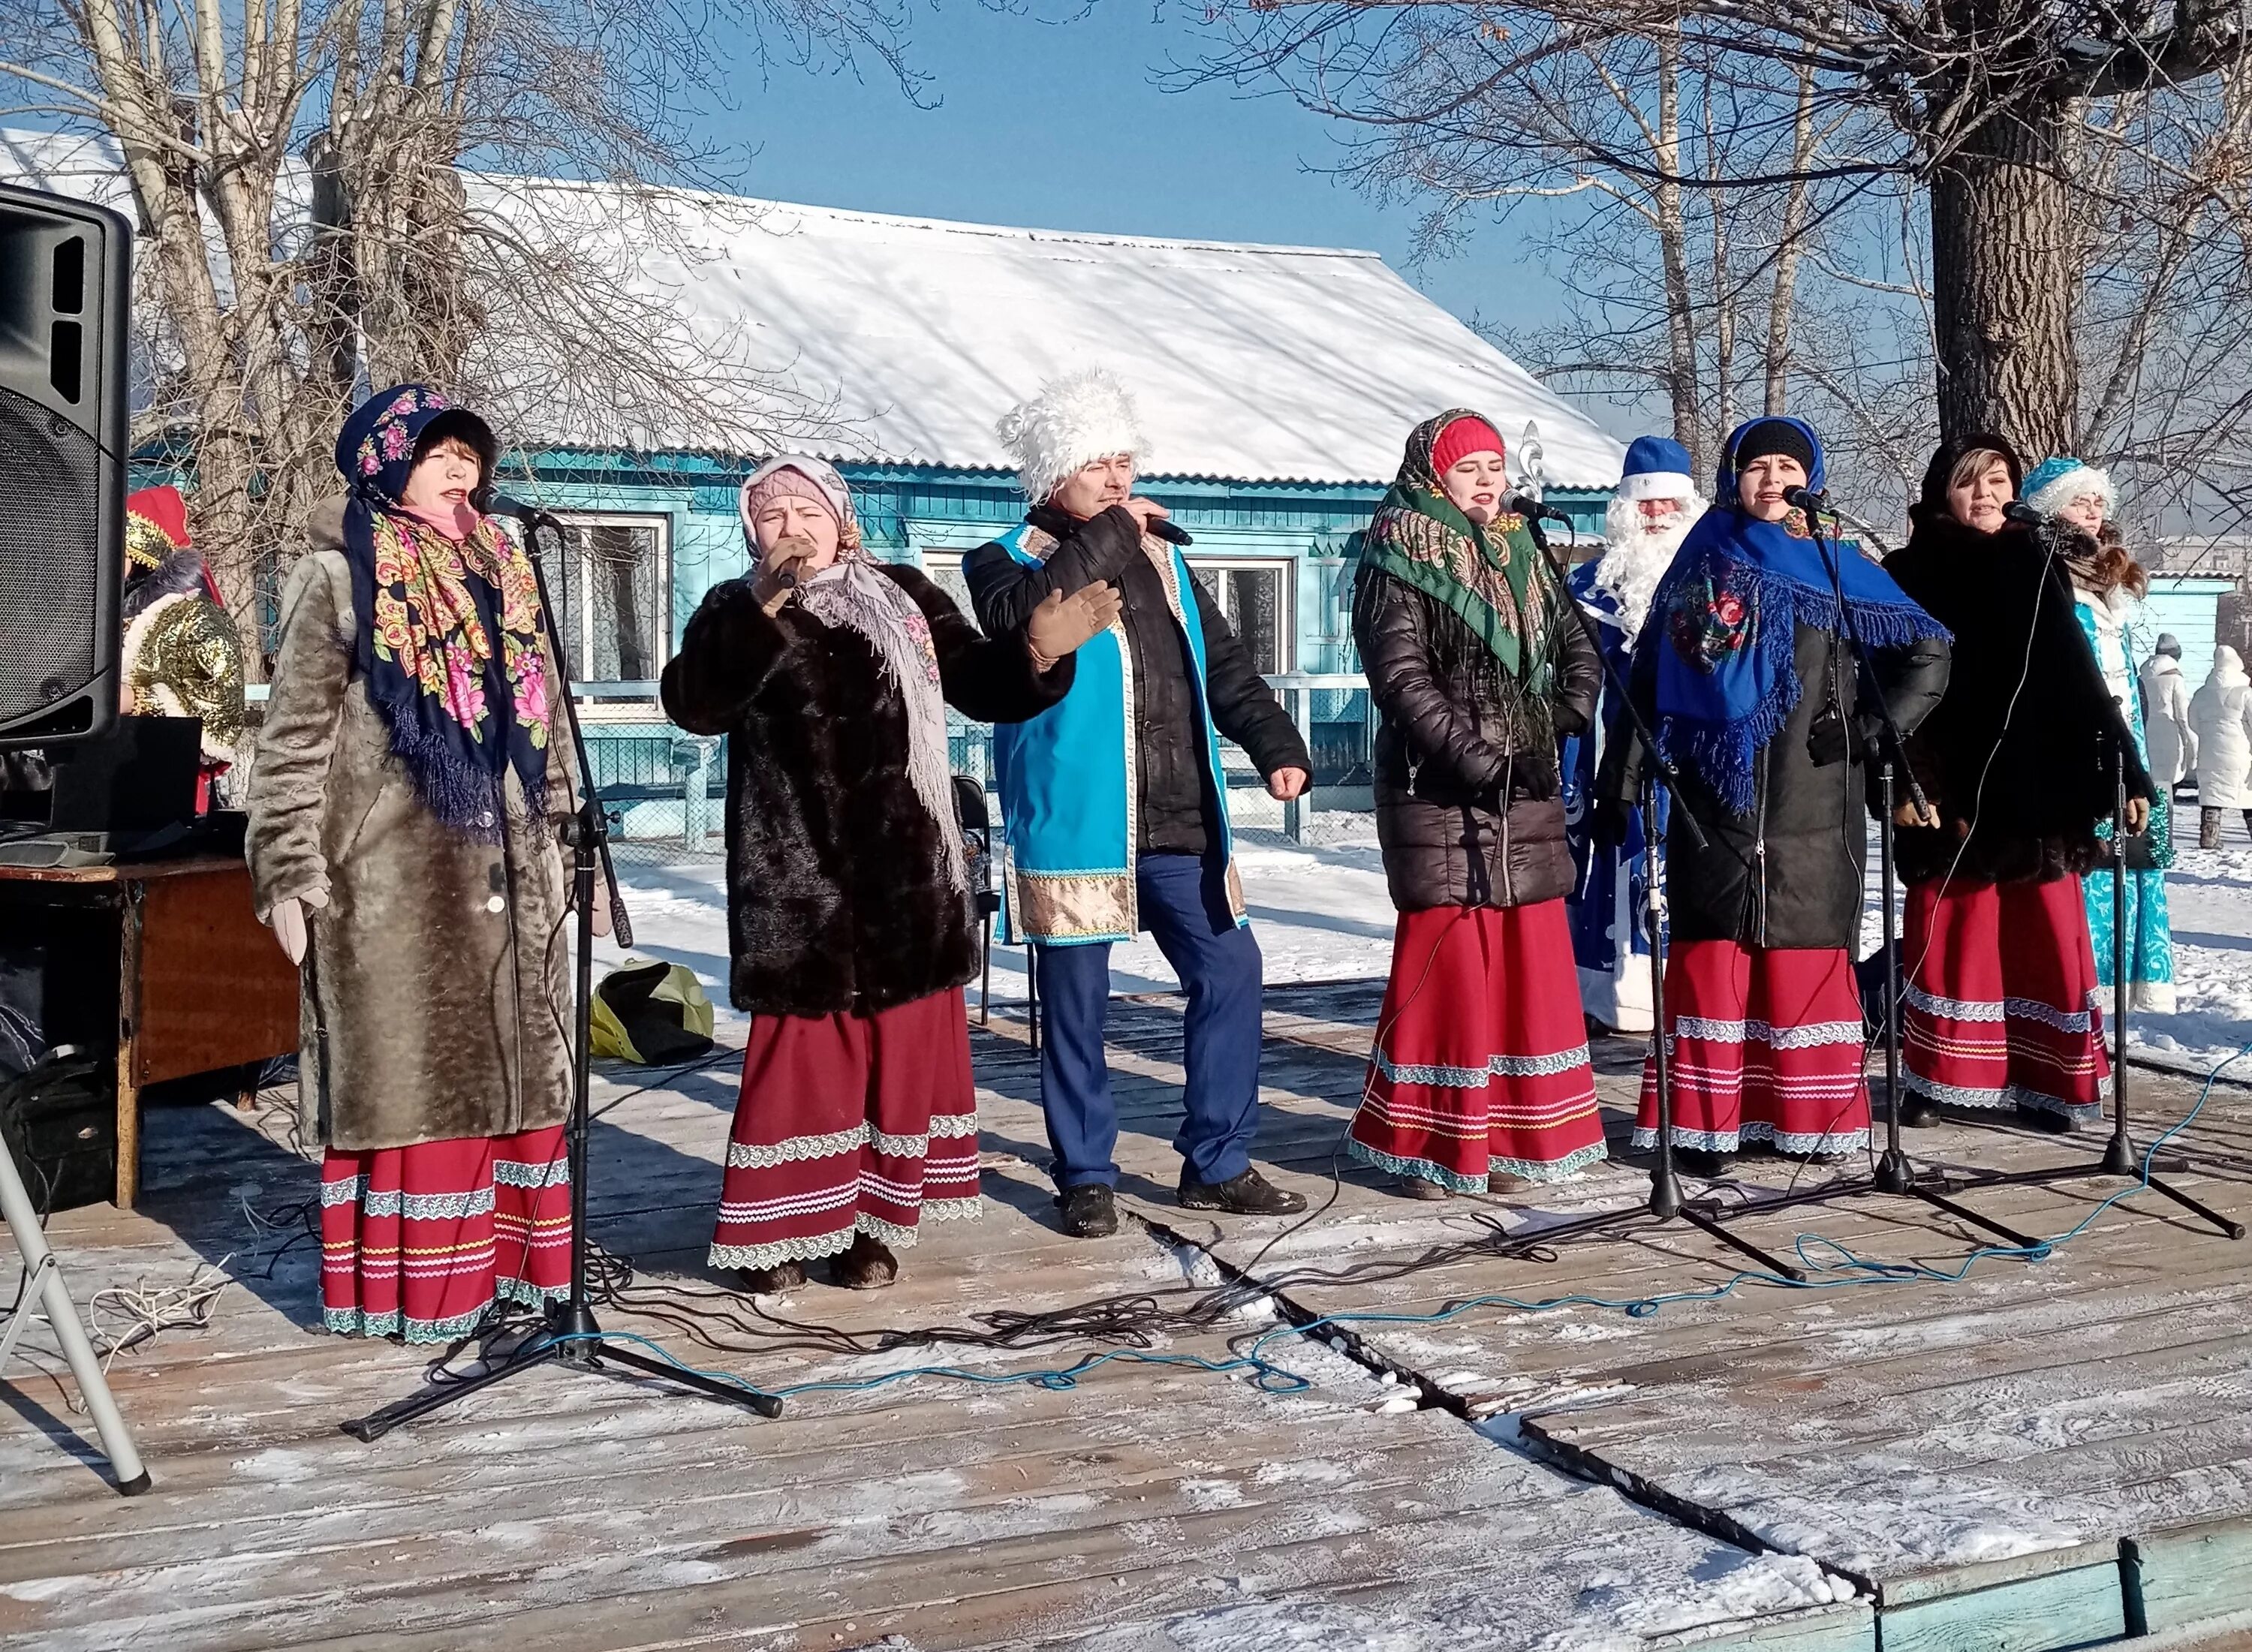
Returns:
<point x="201" y="984"/>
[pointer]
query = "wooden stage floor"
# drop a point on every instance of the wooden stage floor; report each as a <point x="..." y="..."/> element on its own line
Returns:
<point x="2044" y="1454"/>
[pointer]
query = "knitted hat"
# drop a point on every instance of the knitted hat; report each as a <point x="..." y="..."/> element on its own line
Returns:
<point x="1656" y="468"/>
<point x="1777" y="437"/>
<point x="2169" y="644"/>
<point x="156" y="526"/>
<point x="795" y="476"/>
<point x="2055" y="483"/>
<point x="1462" y="438"/>
<point x="1073" y="422"/>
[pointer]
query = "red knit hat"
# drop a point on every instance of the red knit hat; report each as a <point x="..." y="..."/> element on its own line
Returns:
<point x="1462" y="438"/>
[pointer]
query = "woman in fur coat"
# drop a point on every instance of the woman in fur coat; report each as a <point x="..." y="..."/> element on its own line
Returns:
<point x="2000" y="1005"/>
<point x="402" y="844"/>
<point x="1746" y="675"/>
<point x="850" y="920"/>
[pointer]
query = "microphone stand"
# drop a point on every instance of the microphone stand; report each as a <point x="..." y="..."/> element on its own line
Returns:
<point x="1894" y="1173"/>
<point x="2119" y="1152"/>
<point x="1660" y="777"/>
<point x="571" y="1333"/>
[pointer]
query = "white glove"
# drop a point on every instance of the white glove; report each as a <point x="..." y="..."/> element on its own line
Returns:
<point x="288" y="921"/>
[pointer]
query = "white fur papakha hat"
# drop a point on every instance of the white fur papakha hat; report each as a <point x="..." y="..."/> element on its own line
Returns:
<point x="1074" y="421"/>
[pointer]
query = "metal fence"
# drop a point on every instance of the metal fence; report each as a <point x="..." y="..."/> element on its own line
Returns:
<point x="664" y="790"/>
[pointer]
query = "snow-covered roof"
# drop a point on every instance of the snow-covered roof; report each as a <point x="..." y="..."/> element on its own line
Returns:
<point x="1250" y="363"/>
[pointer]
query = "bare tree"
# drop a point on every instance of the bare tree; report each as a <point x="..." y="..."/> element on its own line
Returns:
<point x="308" y="232"/>
<point x="1975" y="107"/>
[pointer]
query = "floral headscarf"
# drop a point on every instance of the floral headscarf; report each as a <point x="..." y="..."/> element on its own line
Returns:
<point x="1493" y="578"/>
<point x="449" y="630"/>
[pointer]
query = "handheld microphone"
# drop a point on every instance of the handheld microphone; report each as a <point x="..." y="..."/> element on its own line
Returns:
<point x="1162" y="528"/>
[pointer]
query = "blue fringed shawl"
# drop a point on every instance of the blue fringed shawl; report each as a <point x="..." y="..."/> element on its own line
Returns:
<point x="1725" y="635"/>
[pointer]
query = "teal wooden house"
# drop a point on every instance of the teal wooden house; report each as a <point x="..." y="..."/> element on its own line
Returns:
<point x="1276" y="385"/>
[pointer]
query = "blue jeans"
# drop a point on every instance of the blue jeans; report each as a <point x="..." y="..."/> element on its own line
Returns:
<point x="1184" y="903"/>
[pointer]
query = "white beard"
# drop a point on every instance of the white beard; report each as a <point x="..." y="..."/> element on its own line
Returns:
<point x="1636" y="556"/>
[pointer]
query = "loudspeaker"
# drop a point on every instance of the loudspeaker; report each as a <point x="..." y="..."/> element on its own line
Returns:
<point x="63" y="267"/>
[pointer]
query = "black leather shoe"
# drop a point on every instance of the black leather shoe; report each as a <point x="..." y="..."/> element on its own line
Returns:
<point x="1703" y="1161"/>
<point x="1918" y="1113"/>
<point x="1249" y="1194"/>
<point x="1089" y="1210"/>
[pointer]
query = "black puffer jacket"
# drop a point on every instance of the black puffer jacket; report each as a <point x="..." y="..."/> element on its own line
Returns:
<point x="838" y="896"/>
<point x="2024" y="743"/>
<point x="1175" y="784"/>
<point x="1468" y="809"/>
<point x="1788" y="873"/>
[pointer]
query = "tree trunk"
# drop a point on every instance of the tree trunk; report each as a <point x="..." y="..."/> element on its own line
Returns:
<point x="1782" y="299"/>
<point x="2002" y="275"/>
<point x="1673" y="244"/>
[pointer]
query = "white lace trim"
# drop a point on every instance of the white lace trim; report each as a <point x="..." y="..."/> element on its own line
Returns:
<point x="752" y="1155"/>
<point x="1803" y="1142"/>
<point x="1810" y="1036"/>
<point x="1499" y="1066"/>
<point x="808" y="1249"/>
<point x="2008" y="1095"/>
<point x="756" y="1156"/>
<point x="1950" y="1008"/>
<point x="517" y="1173"/>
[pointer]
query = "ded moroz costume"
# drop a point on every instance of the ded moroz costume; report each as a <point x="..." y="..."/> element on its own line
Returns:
<point x="1649" y="516"/>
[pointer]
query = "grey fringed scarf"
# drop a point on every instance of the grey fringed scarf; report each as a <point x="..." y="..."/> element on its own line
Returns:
<point x="851" y="594"/>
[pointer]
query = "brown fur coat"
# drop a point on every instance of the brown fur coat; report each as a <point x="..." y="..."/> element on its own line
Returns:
<point x="441" y="963"/>
<point x="838" y="896"/>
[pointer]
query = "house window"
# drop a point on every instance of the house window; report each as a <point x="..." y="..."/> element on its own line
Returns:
<point x="1256" y="598"/>
<point x="612" y="588"/>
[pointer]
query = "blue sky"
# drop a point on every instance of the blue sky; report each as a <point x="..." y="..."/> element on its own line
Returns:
<point x="1058" y="125"/>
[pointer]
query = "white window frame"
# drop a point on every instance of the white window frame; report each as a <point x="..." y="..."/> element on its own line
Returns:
<point x="1205" y="567"/>
<point x="595" y="708"/>
<point x="937" y="561"/>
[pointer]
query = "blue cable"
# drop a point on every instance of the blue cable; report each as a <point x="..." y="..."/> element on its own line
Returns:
<point x="1848" y="1269"/>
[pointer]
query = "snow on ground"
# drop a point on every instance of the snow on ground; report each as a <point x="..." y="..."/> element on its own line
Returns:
<point x="1321" y="912"/>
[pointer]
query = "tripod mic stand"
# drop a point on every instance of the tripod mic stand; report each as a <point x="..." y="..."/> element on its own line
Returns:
<point x="43" y="1288"/>
<point x="1660" y="779"/>
<point x="2118" y="1158"/>
<point x="571" y="1335"/>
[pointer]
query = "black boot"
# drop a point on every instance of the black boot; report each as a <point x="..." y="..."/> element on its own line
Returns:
<point x="766" y="1281"/>
<point x="1249" y="1194"/>
<point x="1704" y="1161"/>
<point x="1089" y="1210"/>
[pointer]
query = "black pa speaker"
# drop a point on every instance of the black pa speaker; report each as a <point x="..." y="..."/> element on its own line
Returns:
<point x="63" y="287"/>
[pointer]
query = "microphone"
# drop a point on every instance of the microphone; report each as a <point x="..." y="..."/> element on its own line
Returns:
<point x="1806" y="499"/>
<point x="2023" y="514"/>
<point x="1162" y="528"/>
<point x="491" y="503"/>
<point x="1524" y="504"/>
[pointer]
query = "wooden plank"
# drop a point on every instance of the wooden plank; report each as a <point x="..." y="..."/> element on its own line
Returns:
<point x="2177" y="1580"/>
<point x="2082" y="1607"/>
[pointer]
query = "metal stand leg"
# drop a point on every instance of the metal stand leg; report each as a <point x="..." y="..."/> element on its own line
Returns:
<point x="43" y="1284"/>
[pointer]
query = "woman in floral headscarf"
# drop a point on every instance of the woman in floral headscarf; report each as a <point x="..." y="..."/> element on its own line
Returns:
<point x="402" y="844"/>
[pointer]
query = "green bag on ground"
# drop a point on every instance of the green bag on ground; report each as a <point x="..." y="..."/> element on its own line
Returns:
<point x="653" y="1014"/>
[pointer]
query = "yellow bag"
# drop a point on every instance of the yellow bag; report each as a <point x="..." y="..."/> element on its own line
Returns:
<point x="650" y="1013"/>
